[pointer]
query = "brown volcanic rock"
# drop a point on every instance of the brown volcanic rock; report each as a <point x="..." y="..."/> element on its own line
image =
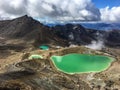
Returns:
<point x="41" y="75"/>
<point x="27" y="29"/>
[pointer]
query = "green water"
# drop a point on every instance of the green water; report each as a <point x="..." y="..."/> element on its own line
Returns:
<point x="35" y="57"/>
<point x="81" y="63"/>
<point x="44" y="47"/>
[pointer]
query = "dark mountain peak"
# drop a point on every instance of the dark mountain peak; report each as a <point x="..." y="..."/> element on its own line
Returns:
<point x="19" y="27"/>
<point x="27" y="29"/>
<point x="25" y="19"/>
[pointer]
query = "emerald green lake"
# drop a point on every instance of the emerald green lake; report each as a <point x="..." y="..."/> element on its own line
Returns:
<point x="81" y="63"/>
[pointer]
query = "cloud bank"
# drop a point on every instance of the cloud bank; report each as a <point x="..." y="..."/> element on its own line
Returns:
<point x="12" y="8"/>
<point x="110" y="15"/>
<point x="65" y="10"/>
<point x="55" y="9"/>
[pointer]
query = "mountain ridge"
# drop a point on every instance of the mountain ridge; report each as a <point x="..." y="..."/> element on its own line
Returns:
<point x="26" y="28"/>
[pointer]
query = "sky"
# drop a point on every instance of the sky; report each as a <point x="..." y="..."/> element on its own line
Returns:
<point x="62" y="11"/>
<point x="104" y="3"/>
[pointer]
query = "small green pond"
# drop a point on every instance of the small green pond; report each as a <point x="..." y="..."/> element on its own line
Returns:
<point x="35" y="56"/>
<point x="44" y="47"/>
<point x="81" y="63"/>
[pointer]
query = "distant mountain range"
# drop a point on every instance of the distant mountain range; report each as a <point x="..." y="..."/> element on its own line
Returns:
<point x="90" y="25"/>
<point x="102" y="26"/>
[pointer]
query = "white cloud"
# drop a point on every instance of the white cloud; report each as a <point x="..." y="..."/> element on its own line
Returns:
<point x="12" y="8"/>
<point x="55" y="9"/>
<point x="110" y="14"/>
<point x="58" y="10"/>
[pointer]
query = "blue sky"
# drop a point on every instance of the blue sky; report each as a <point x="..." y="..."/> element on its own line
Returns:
<point x="104" y="3"/>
